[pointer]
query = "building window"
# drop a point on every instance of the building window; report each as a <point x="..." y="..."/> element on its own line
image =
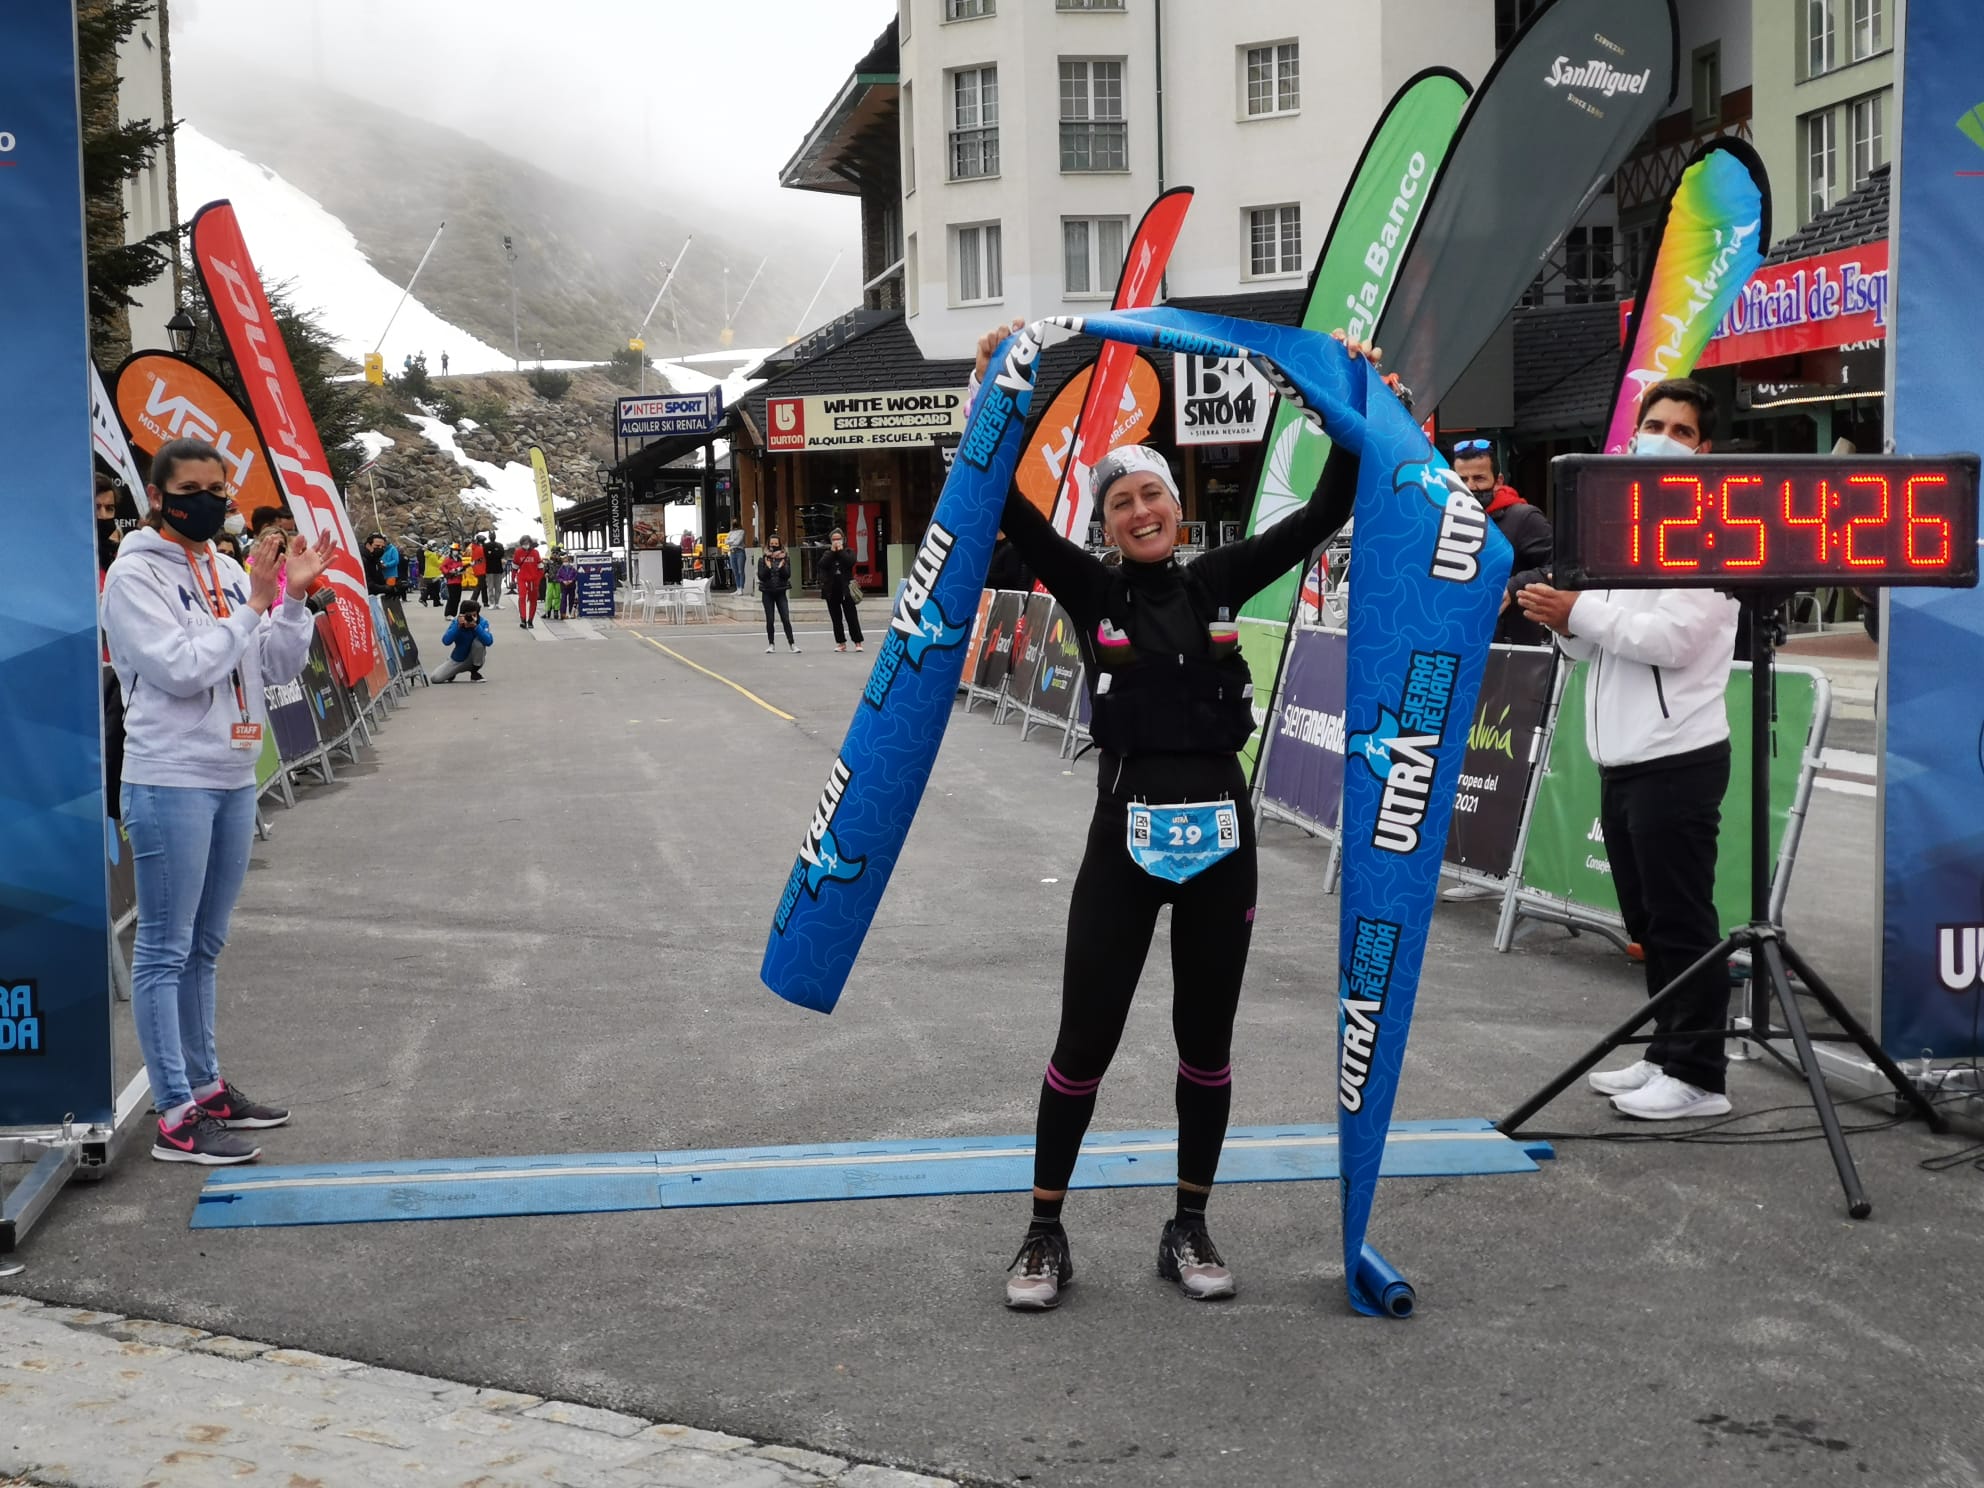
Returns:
<point x="1590" y="266"/>
<point x="1092" y="253"/>
<point x="1821" y="38"/>
<point x="980" y="278"/>
<point x="1869" y="145"/>
<point x="1706" y="89"/>
<point x="1869" y="27"/>
<point x="1088" y="4"/>
<point x="1274" y="241"/>
<point x="904" y="10"/>
<point x="1094" y="136"/>
<point x="908" y="138"/>
<point x="1274" y="79"/>
<point x="974" y="123"/>
<point x="1821" y="162"/>
<point x="912" y="283"/>
<point x="967" y="10"/>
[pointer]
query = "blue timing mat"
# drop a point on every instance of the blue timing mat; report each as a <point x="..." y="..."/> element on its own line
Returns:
<point x="601" y="1183"/>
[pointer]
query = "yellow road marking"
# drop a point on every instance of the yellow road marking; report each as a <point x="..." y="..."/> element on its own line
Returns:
<point x="717" y="675"/>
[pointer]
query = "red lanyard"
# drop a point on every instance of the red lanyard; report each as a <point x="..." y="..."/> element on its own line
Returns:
<point x="214" y="600"/>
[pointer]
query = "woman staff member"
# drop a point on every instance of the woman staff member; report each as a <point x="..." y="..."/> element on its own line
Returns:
<point x="193" y="639"/>
<point x="1172" y="706"/>
<point x="774" y="579"/>
<point x="837" y="589"/>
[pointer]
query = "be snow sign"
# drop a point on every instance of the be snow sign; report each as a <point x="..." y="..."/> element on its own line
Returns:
<point x="1219" y="400"/>
<point x="669" y="413"/>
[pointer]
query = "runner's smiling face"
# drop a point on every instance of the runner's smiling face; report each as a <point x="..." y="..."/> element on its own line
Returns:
<point x="1140" y="517"/>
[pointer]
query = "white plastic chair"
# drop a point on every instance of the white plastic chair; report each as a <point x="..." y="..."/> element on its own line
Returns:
<point x="630" y="597"/>
<point x="695" y="595"/>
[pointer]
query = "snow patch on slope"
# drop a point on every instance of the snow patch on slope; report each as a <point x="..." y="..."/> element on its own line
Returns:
<point x="512" y="488"/>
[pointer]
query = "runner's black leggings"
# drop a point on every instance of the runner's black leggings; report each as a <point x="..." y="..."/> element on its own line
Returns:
<point x="1112" y="916"/>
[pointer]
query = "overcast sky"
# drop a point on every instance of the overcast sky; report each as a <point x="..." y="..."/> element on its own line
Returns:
<point x="707" y="98"/>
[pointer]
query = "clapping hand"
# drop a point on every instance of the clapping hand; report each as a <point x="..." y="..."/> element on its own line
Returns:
<point x="307" y="561"/>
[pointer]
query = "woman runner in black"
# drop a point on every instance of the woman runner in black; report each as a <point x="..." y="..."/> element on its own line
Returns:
<point x="1172" y="706"/>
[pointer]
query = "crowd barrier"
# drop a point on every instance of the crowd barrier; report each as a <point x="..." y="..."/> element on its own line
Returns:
<point x="1525" y="825"/>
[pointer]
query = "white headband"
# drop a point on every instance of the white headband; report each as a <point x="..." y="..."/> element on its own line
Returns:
<point x="1128" y="459"/>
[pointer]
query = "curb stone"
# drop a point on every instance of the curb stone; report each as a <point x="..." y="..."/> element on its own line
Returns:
<point x="87" y="1393"/>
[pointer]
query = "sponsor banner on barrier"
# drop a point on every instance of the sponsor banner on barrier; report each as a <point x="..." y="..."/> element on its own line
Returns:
<point x="328" y="700"/>
<point x="1566" y="856"/>
<point x="1029" y="637"/>
<point x="1494" y="774"/>
<point x="268" y="764"/>
<point x="1218" y="400"/>
<point x="1054" y="682"/>
<point x="1932" y="748"/>
<point x="975" y="647"/>
<point x="668" y="413"/>
<point x="863" y="420"/>
<point x="123" y="872"/>
<point x="401" y="633"/>
<point x="1304" y="769"/>
<point x="595" y="585"/>
<point x="292" y="721"/>
<point x="996" y="659"/>
<point x="55" y="1013"/>
<point x="389" y="652"/>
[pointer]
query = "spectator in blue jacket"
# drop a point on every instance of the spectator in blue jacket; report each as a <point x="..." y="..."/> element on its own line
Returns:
<point x="469" y="638"/>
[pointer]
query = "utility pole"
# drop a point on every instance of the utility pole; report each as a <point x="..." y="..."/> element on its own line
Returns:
<point x="516" y="352"/>
<point x="640" y="334"/>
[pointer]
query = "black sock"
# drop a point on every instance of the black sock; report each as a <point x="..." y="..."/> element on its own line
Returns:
<point x="1191" y="1208"/>
<point x="1046" y="1215"/>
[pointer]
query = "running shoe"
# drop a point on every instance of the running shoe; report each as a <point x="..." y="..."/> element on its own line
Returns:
<point x="770" y="649"/>
<point x="1043" y="1266"/>
<point x="840" y="648"/>
<point x="232" y="1108"/>
<point x="200" y="1138"/>
<point x="793" y="647"/>
<point x="1664" y="1098"/>
<point x="1622" y="1081"/>
<point x="1186" y="1255"/>
<point x="858" y="646"/>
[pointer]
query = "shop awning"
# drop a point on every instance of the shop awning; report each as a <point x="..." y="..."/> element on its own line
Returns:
<point x="855" y="139"/>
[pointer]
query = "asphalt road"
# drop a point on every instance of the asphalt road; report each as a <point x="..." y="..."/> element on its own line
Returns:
<point x="533" y="924"/>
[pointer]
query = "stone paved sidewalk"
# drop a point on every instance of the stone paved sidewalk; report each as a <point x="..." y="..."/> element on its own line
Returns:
<point x="93" y="1400"/>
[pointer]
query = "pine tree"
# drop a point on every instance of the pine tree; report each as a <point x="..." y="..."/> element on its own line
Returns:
<point x="114" y="151"/>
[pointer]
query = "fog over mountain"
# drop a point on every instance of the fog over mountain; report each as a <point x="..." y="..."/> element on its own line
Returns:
<point x="598" y="134"/>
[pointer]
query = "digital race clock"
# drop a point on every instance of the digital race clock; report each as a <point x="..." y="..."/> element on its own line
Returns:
<point x="1765" y="521"/>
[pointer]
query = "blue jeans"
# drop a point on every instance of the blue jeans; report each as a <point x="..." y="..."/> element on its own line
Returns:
<point x="189" y="849"/>
<point x="737" y="570"/>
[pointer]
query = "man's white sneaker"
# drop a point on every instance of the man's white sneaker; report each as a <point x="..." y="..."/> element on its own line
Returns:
<point x="1462" y="893"/>
<point x="1622" y="1081"/>
<point x="1664" y="1098"/>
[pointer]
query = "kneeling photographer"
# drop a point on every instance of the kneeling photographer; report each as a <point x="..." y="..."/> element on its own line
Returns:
<point x="468" y="638"/>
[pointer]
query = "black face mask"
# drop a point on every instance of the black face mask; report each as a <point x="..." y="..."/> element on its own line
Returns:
<point x="194" y="515"/>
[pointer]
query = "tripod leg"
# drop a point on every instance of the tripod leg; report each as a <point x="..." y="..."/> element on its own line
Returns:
<point x="1510" y="1124"/>
<point x="1837" y="1011"/>
<point x="1794" y="1020"/>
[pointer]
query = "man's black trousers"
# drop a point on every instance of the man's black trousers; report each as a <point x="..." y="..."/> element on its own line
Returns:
<point x="1660" y="822"/>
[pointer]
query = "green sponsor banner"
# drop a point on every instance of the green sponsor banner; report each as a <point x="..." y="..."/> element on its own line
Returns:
<point x="1566" y="852"/>
<point x="268" y="762"/>
<point x="1352" y="279"/>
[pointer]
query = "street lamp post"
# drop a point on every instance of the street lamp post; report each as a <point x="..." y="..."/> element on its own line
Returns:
<point x="510" y="257"/>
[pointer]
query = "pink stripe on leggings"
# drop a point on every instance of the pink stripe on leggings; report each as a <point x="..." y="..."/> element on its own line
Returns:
<point x="1221" y="1076"/>
<point x="1061" y="1083"/>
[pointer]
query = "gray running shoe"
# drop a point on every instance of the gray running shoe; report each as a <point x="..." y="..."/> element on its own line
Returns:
<point x="1043" y="1266"/>
<point x="1188" y="1257"/>
<point x="201" y="1138"/>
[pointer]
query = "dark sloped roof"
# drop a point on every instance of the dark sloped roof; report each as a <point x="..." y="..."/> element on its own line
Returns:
<point x="1861" y="216"/>
<point x="1567" y="368"/>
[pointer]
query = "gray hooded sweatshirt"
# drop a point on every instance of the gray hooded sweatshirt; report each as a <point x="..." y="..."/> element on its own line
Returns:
<point x="176" y="663"/>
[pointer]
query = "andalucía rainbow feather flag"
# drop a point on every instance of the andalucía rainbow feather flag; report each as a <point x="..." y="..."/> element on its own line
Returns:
<point x="1713" y="238"/>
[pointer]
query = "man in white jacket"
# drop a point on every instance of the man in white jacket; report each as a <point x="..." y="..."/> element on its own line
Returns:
<point x="1656" y="725"/>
